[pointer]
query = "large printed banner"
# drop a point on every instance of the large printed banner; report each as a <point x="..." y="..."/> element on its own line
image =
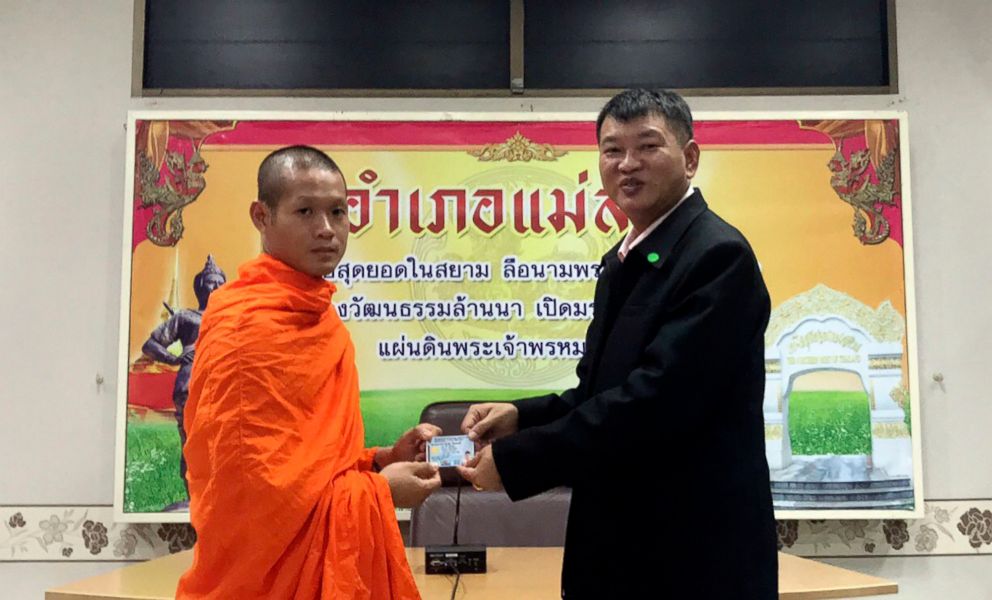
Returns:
<point x="469" y="274"/>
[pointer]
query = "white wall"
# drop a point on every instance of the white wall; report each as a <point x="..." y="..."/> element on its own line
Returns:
<point x="65" y="71"/>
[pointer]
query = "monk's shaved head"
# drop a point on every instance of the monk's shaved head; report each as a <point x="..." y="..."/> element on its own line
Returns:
<point x="279" y="166"/>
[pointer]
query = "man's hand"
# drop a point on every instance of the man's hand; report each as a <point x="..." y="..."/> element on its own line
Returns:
<point x="490" y="421"/>
<point x="412" y="446"/>
<point x="410" y="483"/>
<point x="481" y="471"/>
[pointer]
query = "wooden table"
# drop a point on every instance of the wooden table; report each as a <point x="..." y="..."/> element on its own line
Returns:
<point x="518" y="573"/>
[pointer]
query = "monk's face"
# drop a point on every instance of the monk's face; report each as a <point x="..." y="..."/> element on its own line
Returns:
<point x="308" y="228"/>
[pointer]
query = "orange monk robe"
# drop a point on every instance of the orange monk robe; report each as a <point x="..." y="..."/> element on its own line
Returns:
<point x="282" y="495"/>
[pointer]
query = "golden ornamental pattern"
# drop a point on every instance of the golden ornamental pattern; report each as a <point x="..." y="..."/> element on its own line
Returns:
<point x="517" y="149"/>
<point x="885" y="362"/>
<point x="182" y="185"/>
<point x="884" y="323"/>
<point x="888" y="431"/>
<point x="851" y="180"/>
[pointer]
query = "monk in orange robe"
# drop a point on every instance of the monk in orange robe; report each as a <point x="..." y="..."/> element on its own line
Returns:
<point x="285" y="500"/>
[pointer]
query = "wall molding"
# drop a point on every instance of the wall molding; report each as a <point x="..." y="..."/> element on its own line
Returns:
<point x="86" y="533"/>
<point x="948" y="528"/>
<point x="74" y="533"/>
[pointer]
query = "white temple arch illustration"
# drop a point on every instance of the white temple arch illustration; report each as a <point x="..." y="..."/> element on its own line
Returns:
<point x="826" y="330"/>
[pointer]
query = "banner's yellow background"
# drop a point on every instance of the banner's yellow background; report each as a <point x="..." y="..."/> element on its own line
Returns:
<point x="780" y="198"/>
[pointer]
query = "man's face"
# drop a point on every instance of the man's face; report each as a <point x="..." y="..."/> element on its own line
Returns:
<point x="644" y="167"/>
<point x="308" y="229"/>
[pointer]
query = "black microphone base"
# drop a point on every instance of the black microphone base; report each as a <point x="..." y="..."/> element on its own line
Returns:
<point x="460" y="558"/>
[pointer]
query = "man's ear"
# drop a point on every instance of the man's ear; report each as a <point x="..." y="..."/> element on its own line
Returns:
<point x="691" y="153"/>
<point x="260" y="215"/>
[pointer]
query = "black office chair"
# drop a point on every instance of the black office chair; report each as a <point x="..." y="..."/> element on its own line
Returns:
<point x="488" y="518"/>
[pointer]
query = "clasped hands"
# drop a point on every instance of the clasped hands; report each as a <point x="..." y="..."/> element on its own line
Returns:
<point x="411" y="480"/>
<point x="484" y="424"/>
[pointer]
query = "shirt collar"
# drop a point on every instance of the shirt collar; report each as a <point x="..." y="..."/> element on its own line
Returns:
<point x="629" y="243"/>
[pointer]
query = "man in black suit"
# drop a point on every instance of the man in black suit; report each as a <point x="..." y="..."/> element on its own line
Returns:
<point x="662" y="440"/>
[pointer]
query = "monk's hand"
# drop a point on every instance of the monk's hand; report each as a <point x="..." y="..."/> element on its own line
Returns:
<point x="410" y="483"/>
<point x="490" y="421"/>
<point x="481" y="471"/>
<point x="412" y="445"/>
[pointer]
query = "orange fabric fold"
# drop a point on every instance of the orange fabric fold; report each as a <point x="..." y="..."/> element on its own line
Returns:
<point x="281" y="493"/>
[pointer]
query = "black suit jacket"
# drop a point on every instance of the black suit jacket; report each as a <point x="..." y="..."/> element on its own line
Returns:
<point x="662" y="440"/>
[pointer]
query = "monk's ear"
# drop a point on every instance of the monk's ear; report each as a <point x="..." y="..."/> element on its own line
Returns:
<point x="260" y="215"/>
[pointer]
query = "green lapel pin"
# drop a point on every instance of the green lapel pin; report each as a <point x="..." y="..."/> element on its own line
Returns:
<point x="653" y="257"/>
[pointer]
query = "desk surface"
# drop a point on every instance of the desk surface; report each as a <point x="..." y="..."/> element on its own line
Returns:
<point x="520" y="573"/>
